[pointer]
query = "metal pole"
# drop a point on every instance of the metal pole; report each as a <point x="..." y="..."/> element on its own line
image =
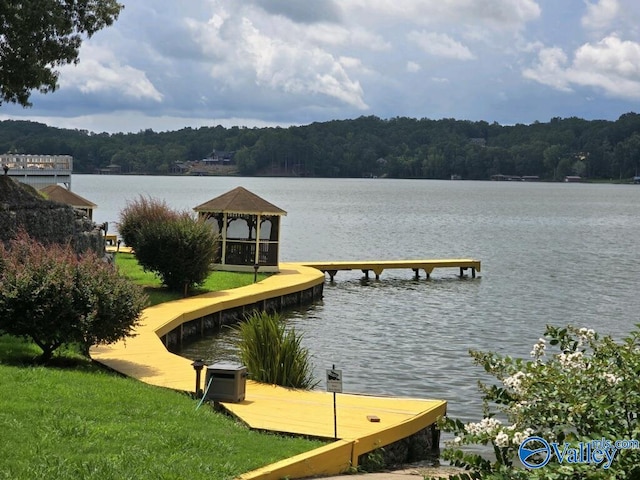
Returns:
<point x="335" y="414"/>
<point x="335" y="418"/>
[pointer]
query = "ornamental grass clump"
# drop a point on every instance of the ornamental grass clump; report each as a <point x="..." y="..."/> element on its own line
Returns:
<point x="274" y="354"/>
<point x="577" y="392"/>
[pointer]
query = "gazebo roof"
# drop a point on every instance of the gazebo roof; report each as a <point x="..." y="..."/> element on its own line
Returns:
<point x="62" y="195"/>
<point x="240" y="200"/>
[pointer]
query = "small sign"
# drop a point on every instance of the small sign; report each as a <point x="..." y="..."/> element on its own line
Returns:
<point x="334" y="380"/>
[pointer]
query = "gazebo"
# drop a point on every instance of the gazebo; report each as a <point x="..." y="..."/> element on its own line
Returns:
<point x="250" y="230"/>
<point x="62" y="195"/>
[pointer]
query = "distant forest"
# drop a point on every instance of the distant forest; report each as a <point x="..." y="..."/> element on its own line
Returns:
<point x="363" y="147"/>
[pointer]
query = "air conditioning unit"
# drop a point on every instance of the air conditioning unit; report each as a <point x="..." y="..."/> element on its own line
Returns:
<point x="228" y="382"/>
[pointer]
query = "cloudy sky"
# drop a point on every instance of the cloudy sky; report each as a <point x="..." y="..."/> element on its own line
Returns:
<point x="169" y="64"/>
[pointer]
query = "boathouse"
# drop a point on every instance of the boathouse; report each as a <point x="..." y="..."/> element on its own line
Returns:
<point x="249" y="227"/>
<point x="62" y="195"/>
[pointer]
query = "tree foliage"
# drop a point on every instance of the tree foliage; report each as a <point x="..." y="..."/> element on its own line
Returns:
<point x="54" y="297"/>
<point x="366" y="146"/>
<point x="178" y="248"/>
<point x="577" y="388"/>
<point x="37" y="36"/>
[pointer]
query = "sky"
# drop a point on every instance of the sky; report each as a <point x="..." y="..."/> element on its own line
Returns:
<point x="170" y="64"/>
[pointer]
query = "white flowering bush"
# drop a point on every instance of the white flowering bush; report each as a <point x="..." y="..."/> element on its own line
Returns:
<point x="574" y="387"/>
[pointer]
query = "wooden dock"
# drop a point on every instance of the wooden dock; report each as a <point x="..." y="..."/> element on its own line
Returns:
<point x="379" y="266"/>
<point x="269" y="407"/>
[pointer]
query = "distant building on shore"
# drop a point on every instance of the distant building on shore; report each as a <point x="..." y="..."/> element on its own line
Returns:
<point x="38" y="170"/>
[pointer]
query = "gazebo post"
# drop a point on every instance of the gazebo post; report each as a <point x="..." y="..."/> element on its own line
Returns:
<point x="224" y="239"/>
<point x="257" y="255"/>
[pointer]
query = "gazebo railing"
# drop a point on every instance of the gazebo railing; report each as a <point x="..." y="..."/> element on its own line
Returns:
<point x="243" y="252"/>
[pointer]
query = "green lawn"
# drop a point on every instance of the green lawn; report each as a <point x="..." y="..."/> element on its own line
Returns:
<point x="75" y="420"/>
<point x="129" y="267"/>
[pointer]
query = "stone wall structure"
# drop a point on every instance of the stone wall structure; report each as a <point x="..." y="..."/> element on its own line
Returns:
<point x="22" y="207"/>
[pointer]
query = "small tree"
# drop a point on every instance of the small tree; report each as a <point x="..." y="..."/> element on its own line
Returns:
<point x="53" y="297"/>
<point x="178" y="248"/>
<point x="274" y="354"/>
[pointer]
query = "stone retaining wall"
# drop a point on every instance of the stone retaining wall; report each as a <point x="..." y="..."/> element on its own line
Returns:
<point x="423" y="445"/>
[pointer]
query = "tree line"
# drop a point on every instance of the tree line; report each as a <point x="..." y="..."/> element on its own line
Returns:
<point x="364" y="147"/>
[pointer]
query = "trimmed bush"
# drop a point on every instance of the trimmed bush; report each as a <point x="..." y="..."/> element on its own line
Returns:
<point x="178" y="248"/>
<point x="274" y="354"/>
<point x="140" y="214"/>
<point x="54" y="297"/>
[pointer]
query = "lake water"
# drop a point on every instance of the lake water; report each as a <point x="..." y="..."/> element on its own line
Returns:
<point x="551" y="254"/>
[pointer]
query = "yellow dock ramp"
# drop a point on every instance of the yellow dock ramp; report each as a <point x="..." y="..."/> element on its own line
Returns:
<point x="272" y="408"/>
<point x="268" y="407"/>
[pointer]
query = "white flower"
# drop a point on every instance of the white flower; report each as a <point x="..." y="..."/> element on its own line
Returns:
<point x="585" y="335"/>
<point x="486" y="425"/>
<point x="520" y="437"/>
<point x="514" y="382"/>
<point x="501" y="440"/>
<point x="457" y="441"/>
<point x="611" y="378"/>
<point x="539" y="348"/>
<point x="571" y="360"/>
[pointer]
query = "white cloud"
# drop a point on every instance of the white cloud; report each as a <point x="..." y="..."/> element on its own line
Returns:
<point x="168" y="62"/>
<point x="440" y="45"/>
<point x="275" y="60"/>
<point x="600" y="15"/>
<point x="612" y="65"/>
<point x="413" y="67"/>
<point x="549" y="69"/>
<point x="100" y="72"/>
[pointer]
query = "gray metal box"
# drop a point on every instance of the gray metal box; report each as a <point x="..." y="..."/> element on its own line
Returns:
<point x="228" y="382"/>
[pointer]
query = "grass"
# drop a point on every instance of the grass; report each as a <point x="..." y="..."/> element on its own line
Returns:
<point x="129" y="267"/>
<point x="75" y="420"/>
<point x="81" y="422"/>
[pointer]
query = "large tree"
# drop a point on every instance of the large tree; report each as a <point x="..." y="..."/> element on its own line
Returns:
<point x="40" y="35"/>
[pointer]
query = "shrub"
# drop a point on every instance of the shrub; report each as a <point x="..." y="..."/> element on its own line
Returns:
<point x="178" y="248"/>
<point x="54" y="297"/>
<point x="139" y="214"/>
<point x="274" y="354"/>
<point x="587" y="390"/>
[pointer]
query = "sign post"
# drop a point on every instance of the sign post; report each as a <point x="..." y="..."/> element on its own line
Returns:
<point x="334" y="384"/>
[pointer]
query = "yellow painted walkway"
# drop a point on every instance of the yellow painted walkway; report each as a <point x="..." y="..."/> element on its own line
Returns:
<point x="269" y="407"/>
